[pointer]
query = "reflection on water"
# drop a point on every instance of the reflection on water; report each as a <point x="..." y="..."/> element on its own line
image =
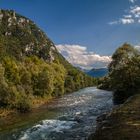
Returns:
<point x="71" y="117"/>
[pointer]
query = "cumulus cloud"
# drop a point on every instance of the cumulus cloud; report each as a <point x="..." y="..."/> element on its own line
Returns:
<point x="132" y="1"/>
<point x="135" y="11"/>
<point x="79" y="56"/>
<point x="126" y="20"/>
<point x="137" y="47"/>
<point x="127" y="16"/>
<point x="132" y="15"/>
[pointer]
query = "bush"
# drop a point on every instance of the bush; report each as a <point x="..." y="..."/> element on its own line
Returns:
<point x="23" y="104"/>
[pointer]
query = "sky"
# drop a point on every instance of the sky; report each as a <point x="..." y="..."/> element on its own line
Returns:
<point x="86" y="32"/>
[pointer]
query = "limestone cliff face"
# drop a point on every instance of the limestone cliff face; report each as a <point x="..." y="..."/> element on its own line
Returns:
<point x="20" y="36"/>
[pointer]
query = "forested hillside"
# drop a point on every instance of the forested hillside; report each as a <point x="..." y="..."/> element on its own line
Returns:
<point x="30" y="65"/>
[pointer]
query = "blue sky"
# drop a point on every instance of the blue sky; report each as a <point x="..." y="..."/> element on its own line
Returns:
<point x="98" y="25"/>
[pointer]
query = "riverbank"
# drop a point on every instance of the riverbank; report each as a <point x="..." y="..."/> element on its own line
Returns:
<point x="69" y="117"/>
<point x="123" y="123"/>
<point x="36" y="103"/>
<point x="10" y="118"/>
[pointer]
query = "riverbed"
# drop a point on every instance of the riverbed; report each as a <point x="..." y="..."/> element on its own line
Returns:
<point x="71" y="117"/>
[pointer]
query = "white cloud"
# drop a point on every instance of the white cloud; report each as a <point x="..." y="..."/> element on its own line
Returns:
<point x="132" y="1"/>
<point x="127" y="16"/>
<point x="135" y="11"/>
<point x="132" y="15"/>
<point x="113" y="22"/>
<point x="79" y="56"/>
<point x="137" y="47"/>
<point x="126" y="20"/>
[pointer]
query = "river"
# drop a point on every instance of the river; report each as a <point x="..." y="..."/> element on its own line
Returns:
<point x="71" y="117"/>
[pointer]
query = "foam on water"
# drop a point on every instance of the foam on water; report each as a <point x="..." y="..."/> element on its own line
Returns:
<point x="71" y="117"/>
<point x="46" y="128"/>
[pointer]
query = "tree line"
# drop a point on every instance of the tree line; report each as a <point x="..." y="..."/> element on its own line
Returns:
<point x="124" y="73"/>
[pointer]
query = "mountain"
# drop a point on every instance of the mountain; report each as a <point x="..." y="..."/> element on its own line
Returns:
<point x="21" y="37"/>
<point x="98" y="72"/>
<point x="83" y="70"/>
<point x="31" y="68"/>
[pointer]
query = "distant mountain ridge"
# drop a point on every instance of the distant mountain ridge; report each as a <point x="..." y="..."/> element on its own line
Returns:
<point x="100" y="72"/>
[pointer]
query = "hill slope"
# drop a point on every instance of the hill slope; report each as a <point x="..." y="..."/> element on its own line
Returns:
<point x="30" y="65"/>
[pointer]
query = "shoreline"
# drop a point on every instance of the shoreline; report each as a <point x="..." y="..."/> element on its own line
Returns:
<point x="37" y="103"/>
<point x="123" y="122"/>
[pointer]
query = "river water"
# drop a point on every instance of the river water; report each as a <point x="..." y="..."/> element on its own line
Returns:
<point x="71" y="117"/>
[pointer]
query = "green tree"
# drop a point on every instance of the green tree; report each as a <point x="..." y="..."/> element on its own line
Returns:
<point x="44" y="83"/>
<point x="124" y="75"/>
